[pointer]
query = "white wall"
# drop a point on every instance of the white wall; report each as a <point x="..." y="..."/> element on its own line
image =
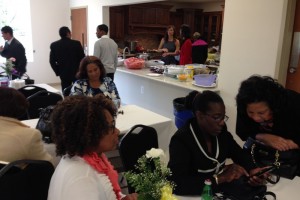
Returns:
<point x="46" y="18"/>
<point x="251" y="44"/>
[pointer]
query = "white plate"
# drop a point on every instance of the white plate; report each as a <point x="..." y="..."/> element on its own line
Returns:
<point x="153" y="74"/>
<point x="205" y="86"/>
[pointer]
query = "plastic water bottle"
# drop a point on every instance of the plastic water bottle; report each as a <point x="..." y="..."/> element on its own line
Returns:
<point x="207" y="191"/>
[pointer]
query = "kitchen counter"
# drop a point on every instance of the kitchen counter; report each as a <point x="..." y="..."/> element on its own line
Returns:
<point x="153" y="93"/>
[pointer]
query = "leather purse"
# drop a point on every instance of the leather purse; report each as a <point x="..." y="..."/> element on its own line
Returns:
<point x="286" y="163"/>
<point x="44" y="123"/>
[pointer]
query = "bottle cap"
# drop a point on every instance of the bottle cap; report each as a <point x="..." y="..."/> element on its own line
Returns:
<point x="207" y="182"/>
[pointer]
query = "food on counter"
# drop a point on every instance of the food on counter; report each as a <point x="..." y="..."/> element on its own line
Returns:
<point x="157" y="69"/>
<point x="182" y="77"/>
<point x="134" y="63"/>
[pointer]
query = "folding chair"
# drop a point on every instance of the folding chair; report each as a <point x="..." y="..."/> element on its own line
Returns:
<point x="39" y="100"/>
<point x="67" y="91"/>
<point x="27" y="183"/>
<point x="134" y="144"/>
<point x="29" y="90"/>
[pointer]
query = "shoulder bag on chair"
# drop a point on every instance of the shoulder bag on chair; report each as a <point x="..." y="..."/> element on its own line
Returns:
<point x="286" y="162"/>
<point x="44" y="123"/>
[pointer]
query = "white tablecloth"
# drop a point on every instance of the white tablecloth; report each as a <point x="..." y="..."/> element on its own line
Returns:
<point x="285" y="189"/>
<point x="133" y="115"/>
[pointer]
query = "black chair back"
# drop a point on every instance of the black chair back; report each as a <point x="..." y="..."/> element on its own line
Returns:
<point x="134" y="144"/>
<point x="67" y="91"/>
<point x="29" y="90"/>
<point x="39" y="100"/>
<point x="27" y="183"/>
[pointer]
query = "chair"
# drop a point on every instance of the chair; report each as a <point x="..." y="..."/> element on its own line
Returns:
<point x="134" y="144"/>
<point x="39" y="100"/>
<point x="27" y="183"/>
<point x="67" y="91"/>
<point x="29" y="90"/>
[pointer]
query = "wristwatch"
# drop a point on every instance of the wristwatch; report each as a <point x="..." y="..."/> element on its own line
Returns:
<point x="216" y="178"/>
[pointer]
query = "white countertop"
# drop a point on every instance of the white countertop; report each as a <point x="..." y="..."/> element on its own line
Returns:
<point x="164" y="79"/>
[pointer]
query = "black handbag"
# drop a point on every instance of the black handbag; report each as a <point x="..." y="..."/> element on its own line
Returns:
<point x="44" y="123"/>
<point x="240" y="190"/>
<point x="286" y="163"/>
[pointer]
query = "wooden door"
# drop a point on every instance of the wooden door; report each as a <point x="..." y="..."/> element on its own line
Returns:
<point x="79" y="25"/>
<point x="293" y="79"/>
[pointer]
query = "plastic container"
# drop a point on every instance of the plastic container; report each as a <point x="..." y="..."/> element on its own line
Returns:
<point x="205" y="79"/>
<point x="134" y="63"/>
<point x="180" y="112"/>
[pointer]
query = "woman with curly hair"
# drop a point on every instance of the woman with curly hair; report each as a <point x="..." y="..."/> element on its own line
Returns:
<point x="268" y="112"/>
<point x="83" y="129"/>
<point x="93" y="80"/>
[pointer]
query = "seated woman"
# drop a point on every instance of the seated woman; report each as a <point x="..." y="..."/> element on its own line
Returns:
<point x="186" y="45"/>
<point x="93" y="80"/>
<point x="82" y="134"/>
<point x="169" y="45"/>
<point x="199" y="149"/>
<point x="268" y="112"/>
<point x="18" y="141"/>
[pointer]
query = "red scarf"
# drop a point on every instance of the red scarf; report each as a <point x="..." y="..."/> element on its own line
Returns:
<point x="102" y="165"/>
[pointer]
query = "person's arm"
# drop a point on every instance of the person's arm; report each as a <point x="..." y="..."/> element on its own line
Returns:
<point x="97" y="49"/>
<point x="276" y="142"/>
<point x="112" y="92"/>
<point x="52" y="60"/>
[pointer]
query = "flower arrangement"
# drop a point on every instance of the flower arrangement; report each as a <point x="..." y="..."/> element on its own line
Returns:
<point x="150" y="178"/>
<point x="8" y="67"/>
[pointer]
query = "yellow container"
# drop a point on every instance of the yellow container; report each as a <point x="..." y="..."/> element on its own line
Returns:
<point x="190" y="71"/>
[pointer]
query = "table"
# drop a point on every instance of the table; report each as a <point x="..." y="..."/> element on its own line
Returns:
<point x="133" y="115"/>
<point x="285" y="189"/>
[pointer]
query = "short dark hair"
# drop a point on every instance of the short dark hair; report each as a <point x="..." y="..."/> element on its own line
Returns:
<point x="12" y="103"/>
<point x="7" y="29"/>
<point x="79" y="123"/>
<point x="259" y="89"/>
<point x="82" y="72"/>
<point x="103" y="27"/>
<point x="63" y="31"/>
<point x="197" y="101"/>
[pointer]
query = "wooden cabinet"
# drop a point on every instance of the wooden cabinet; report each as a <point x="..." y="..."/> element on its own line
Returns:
<point x="211" y="27"/>
<point x="116" y="23"/>
<point x="148" y="18"/>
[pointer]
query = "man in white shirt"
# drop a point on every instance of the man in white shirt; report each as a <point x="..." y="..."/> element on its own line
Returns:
<point x="106" y="50"/>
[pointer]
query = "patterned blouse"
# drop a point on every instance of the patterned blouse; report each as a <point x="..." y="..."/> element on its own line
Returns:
<point x="107" y="87"/>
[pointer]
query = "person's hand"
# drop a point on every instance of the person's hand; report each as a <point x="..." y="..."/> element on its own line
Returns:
<point x="277" y="142"/>
<point x="257" y="180"/>
<point x="132" y="196"/>
<point x="165" y="54"/>
<point x="165" y="50"/>
<point x="232" y="172"/>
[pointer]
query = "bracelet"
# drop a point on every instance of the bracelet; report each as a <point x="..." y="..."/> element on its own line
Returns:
<point x="216" y="178"/>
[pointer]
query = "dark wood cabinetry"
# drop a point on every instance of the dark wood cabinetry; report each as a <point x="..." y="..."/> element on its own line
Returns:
<point x="146" y="18"/>
<point x="211" y="27"/>
<point x="116" y="23"/>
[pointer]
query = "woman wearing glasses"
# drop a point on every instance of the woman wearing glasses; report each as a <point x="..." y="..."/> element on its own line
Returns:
<point x="199" y="149"/>
<point x="83" y="130"/>
<point x="268" y="112"/>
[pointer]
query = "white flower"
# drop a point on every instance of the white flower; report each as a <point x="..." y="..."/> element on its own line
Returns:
<point x="12" y="59"/>
<point x="154" y="153"/>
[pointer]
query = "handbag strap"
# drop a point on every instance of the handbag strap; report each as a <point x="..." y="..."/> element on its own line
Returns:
<point x="270" y="194"/>
<point x="276" y="162"/>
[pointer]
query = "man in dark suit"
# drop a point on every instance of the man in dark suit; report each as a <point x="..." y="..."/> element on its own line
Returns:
<point x="65" y="56"/>
<point x="13" y="49"/>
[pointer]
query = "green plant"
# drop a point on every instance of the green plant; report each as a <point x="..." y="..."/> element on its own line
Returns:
<point x="150" y="176"/>
<point x="8" y="67"/>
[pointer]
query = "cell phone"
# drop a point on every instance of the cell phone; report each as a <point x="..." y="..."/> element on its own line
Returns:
<point x="263" y="171"/>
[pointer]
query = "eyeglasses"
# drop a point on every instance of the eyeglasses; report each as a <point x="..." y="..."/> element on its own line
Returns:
<point x="218" y="118"/>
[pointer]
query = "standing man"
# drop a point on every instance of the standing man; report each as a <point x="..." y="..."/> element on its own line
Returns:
<point x="13" y="49"/>
<point x="65" y="56"/>
<point x="106" y="50"/>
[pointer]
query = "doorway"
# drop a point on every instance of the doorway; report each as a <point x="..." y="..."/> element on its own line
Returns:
<point x="293" y="79"/>
<point x="79" y="26"/>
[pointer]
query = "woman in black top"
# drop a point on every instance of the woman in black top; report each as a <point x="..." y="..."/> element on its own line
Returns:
<point x="268" y="112"/>
<point x="199" y="149"/>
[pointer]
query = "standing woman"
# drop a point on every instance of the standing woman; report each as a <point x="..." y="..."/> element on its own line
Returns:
<point x="83" y="130"/>
<point x="268" y="112"/>
<point x="186" y="47"/>
<point x="169" y="45"/>
<point x="93" y="80"/>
